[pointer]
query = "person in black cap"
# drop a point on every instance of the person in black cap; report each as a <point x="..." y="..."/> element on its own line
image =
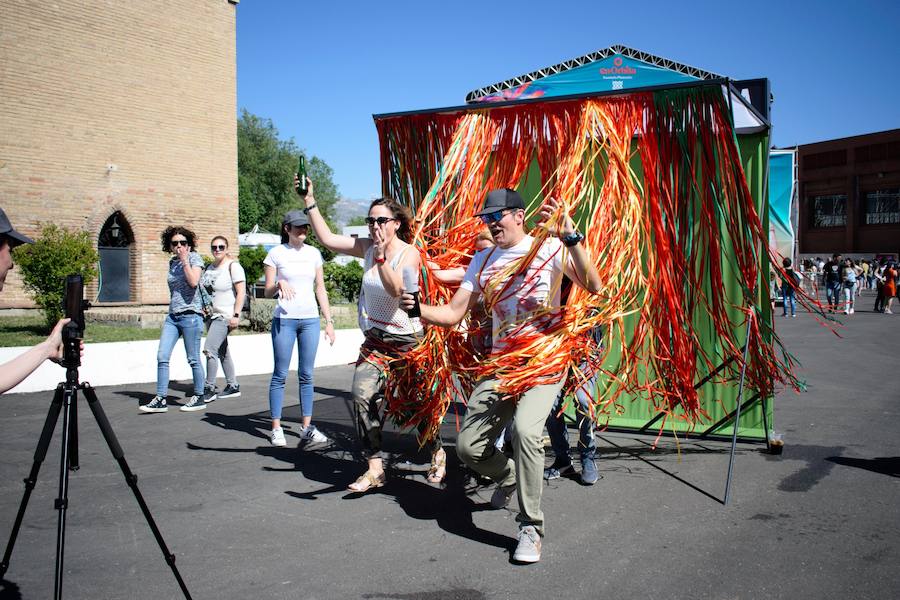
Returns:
<point x="12" y="373"/>
<point x="294" y="275"/>
<point x="521" y="295"/>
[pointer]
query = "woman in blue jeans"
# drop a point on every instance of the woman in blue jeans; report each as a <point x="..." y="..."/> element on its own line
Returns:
<point x="294" y="275"/>
<point x="184" y="319"/>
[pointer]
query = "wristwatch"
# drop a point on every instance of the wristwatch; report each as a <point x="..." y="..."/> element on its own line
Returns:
<point x="572" y="239"/>
<point x="237" y="315"/>
<point x="309" y="208"/>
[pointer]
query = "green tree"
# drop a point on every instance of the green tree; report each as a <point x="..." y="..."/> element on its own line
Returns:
<point x="357" y="221"/>
<point x="345" y="280"/>
<point x="266" y="167"/>
<point x="58" y="252"/>
<point x="251" y="259"/>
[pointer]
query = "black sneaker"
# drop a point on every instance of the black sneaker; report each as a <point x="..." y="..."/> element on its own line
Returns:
<point x="195" y="403"/>
<point x="209" y="394"/>
<point x="231" y="391"/>
<point x="157" y="405"/>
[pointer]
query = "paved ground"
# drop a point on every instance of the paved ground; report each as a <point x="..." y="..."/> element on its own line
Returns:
<point x="248" y="520"/>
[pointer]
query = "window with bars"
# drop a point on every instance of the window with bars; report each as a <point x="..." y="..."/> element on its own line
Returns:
<point x="882" y="207"/>
<point x="828" y="211"/>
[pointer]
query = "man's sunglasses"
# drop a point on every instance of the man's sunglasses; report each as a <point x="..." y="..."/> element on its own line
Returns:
<point x="493" y="217"/>
<point x="215" y="247"/>
<point x="379" y="220"/>
<point x="180" y="243"/>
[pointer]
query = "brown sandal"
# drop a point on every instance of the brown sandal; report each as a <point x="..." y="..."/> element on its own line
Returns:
<point x="438" y="469"/>
<point x="367" y="481"/>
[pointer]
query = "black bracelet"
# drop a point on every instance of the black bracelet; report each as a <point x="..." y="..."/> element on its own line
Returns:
<point x="308" y="208"/>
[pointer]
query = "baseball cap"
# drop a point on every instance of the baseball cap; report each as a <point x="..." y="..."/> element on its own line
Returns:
<point x="500" y="199"/>
<point x="15" y="238"/>
<point x="295" y="217"/>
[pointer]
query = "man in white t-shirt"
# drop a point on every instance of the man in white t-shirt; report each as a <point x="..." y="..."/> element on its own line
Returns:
<point x="527" y="303"/>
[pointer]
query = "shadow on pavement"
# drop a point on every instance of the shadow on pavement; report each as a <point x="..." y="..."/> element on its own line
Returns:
<point x="883" y="465"/>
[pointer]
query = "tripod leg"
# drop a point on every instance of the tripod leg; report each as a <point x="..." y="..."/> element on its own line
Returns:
<point x="73" y="438"/>
<point x="131" y="479"/>
<point x="62" y="502"/>
<point x="39" y="454"/>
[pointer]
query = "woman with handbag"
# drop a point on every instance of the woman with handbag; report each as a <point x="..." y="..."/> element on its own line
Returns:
<point x="184" y="319"/>
<point x="225" y="283"/>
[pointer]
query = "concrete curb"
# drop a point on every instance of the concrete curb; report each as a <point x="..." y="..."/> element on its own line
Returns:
<point x="119" y="363"/>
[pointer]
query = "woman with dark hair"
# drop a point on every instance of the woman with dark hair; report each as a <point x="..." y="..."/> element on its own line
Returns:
<point x="225" y="282"/>
<point x="389" y="331"/>
<point x="184" y="320"/>
<point x="295" y="276"/>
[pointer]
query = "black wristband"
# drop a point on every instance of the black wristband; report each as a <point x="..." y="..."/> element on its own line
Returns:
<point x="572" y="239"/>
<point x="308" y="208"/>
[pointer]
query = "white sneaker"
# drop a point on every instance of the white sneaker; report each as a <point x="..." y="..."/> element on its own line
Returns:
<point x="313" y="435"/>
<point x="278" y="437"/>
<point x="529" y="548"/>
<point x="851" y="311"/>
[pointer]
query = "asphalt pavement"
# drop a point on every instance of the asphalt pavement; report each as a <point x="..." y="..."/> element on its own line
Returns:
<point x="246" y="520"/>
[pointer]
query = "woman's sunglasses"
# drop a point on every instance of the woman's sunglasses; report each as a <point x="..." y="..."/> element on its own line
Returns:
<point x="379" y="220"/>
<point x="217" y="247"/>
<point x="180" y="243"/>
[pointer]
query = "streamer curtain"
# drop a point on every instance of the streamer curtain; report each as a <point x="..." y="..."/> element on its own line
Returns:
<point x="655" y="181"/>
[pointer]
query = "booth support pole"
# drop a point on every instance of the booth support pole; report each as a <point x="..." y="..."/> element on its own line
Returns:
<point x="737" y="411"/>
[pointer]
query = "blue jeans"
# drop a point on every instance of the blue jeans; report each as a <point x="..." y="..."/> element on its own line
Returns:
<point x="833" y="294"/>
<point x="284" y="333"/>
<point x="189" y="327"/>
<point x="556" y="425"/>
<point x="787" y="293"/>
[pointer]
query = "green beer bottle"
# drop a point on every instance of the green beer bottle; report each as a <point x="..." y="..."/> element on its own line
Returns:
<point x="303" y="189"/>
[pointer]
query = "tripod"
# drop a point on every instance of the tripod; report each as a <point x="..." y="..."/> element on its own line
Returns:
<point x="65" y="400"/>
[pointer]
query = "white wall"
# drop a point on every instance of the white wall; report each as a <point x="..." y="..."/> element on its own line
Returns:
<point x="135" y="362"/>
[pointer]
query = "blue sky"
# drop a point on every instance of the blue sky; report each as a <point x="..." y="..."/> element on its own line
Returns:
<point x="320" y="70"/>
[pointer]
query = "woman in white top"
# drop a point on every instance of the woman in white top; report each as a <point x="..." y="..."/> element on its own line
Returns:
<point x="294" y="275"/>
<point x="225" y="283"/>
<point x="389" y="331"/>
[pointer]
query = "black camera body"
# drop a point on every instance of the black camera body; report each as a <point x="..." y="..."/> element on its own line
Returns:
<point x="74" y="306"/>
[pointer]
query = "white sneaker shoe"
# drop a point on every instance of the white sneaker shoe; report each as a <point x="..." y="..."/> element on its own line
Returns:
<point x="278" y="437"/>
<point x="312" y="435"/>
<point x="529" y="548"/>
<point x="851" y="311"/>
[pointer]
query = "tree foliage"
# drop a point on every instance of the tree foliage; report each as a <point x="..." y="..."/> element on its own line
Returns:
<point x="266" y="167"/>
<point x="345" y="280"/>
<point x="251" y="259"/>
<point x="44" y="265"/>
<point x="357" y="221"/>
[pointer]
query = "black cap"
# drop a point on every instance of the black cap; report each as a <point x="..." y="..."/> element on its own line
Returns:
<point x="15" y="238"/>
<point x="500" y="199"/>
<point x="295" y="217"/>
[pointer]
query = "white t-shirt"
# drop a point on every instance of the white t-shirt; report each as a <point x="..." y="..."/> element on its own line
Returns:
<point x="533" y="291"/>
<point x="298" y="268"/>
<point x="219" y="284"/>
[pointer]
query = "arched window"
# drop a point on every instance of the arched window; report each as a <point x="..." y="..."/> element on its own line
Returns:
<point x="114" y="245"/>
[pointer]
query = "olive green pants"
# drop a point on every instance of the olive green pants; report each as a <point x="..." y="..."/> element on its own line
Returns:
<point x="487" y="413"/>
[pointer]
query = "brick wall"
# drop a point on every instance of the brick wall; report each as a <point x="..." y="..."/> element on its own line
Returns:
<point x="130" y="106"/>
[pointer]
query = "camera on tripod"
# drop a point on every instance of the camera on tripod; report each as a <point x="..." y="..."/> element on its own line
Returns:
<point x="74" y="306"/>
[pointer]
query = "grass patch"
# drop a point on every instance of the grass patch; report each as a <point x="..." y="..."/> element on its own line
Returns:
<point x="30" y="330"/>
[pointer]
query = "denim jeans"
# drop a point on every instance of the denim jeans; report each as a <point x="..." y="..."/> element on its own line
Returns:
<point x="284" y="333"/>
<point x="556" y="425"/>
<point x="189" y="327"/>
<point x="787" y="292"/>
<point x="833" y="294"/>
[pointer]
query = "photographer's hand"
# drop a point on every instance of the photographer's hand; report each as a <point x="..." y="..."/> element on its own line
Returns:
<point x="16" y="370"/>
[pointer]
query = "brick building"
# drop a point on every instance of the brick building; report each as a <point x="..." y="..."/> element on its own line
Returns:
<point x="850" y="196"/>
<point x="119" y="118"/>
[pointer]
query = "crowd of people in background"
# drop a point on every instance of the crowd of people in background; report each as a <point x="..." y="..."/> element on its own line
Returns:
<point x="844" y="280"/>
